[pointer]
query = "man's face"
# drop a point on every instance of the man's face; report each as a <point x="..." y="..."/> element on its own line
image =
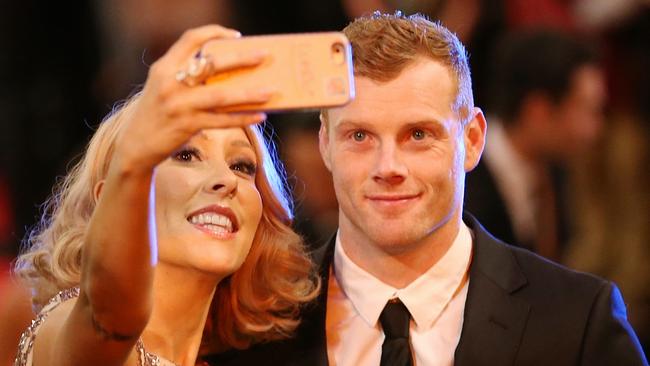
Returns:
<point x="575" y="124"/>
<point x="582" y="109"/>
<point x="398" y="156"/>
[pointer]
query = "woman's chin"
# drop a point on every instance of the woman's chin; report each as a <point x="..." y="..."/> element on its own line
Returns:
<point x="219" y="268"/>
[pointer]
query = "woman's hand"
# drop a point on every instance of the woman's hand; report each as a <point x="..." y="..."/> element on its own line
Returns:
<point x="116" y="289"/>
<point x="169" y="112"/>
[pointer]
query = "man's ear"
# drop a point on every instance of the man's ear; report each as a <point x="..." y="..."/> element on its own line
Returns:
<point x="474" y="134"/>
<point x="97" y="190"/>
<point x="324" y="142"/>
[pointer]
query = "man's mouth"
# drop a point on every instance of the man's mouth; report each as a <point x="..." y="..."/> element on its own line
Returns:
<point x="392" y="197"/>
<point x="393" y="203"/>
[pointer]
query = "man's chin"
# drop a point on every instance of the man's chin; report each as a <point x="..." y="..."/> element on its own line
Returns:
<point x="394" y="241"/>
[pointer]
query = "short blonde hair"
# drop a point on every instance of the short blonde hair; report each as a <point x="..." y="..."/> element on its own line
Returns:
<point x="383" y="45"/>
<point x="259" y="302"/>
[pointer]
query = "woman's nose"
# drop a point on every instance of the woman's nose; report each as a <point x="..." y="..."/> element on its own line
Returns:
<point x="222" y="182"/>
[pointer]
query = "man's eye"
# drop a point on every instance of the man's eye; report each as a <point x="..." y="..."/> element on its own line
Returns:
<point x="418" y="134"/>
<point x="359" y="136"/>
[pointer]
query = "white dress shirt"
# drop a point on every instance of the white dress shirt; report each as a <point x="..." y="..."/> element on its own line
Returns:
<point x="436" y="301"/>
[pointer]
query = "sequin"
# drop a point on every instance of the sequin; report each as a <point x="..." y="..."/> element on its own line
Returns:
<point x="24" y="356"/>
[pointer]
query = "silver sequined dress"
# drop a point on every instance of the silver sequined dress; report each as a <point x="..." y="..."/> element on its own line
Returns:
<point x="24" y="356"/>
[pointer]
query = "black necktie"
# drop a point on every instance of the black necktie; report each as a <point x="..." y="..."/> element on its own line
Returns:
<point x="396" y="350"/>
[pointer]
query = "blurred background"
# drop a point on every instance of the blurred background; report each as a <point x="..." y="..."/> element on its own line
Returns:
<point x="64" y="65"/>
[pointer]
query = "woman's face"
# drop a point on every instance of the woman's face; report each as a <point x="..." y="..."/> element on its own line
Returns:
<point x="207" y="205"/>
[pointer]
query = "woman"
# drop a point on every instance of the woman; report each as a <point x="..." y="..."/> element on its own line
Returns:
<point x="174" y="207"/>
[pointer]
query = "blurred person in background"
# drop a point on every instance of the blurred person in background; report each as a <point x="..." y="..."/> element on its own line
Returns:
<point x="316" y="206"/>
<point x="133" y="34"/>
<point x="610" y="184"/>
<point x="548" y="97"/>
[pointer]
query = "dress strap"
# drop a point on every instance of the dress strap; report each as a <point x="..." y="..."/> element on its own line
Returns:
<point x="24" y="356"/>
<point x="149" y="359"/>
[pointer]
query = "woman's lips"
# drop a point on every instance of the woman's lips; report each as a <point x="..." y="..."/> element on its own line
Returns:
<point x="215" y="231"/>
<point x="217" y="210"/>
<point x="217" y="221"/>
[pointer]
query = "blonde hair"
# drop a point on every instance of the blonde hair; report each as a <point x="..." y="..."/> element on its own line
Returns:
<point x="384" y="44"/>
<point x="259" y="302"/>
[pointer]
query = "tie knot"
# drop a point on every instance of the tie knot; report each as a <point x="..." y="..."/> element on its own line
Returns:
<point x="395" y="319"/>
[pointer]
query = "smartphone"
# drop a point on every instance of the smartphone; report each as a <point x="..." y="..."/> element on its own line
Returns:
<point x="309" y="70"/>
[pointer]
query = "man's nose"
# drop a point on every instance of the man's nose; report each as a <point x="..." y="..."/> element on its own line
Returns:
<point x="389" y="167"/>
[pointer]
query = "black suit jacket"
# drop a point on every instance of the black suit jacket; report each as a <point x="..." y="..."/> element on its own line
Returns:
<point x="521" y="310"/>
<point x="484" y="200"/>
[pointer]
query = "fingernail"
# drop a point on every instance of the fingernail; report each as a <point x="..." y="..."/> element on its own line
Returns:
<point x="233" y="33"/>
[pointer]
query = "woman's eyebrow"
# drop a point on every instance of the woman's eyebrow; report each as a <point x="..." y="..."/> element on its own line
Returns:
<point x="242" y="143"/>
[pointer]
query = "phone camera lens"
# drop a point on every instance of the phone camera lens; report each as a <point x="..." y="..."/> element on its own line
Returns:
<point x="338" y="53"/>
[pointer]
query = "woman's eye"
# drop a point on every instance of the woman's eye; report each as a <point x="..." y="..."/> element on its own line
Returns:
<point x="186" y="155"/>
<point x="418" y="134"/>
<point x="245" y="167"/>
<point x="359" y="136"/>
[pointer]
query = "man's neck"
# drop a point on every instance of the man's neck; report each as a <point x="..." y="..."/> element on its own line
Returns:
<point x="398" y="266"/>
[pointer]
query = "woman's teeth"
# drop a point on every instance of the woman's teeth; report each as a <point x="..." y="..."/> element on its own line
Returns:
<point x="212" y="221"/>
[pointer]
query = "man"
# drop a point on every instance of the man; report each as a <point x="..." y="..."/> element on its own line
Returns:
<point x="407" y="280"/>
<point x="547" y="100"/>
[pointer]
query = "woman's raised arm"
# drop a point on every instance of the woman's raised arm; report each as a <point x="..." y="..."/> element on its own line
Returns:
<point x="119" y="253"/>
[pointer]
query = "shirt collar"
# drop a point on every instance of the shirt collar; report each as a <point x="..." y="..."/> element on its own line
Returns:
<point x="425" y="298"/>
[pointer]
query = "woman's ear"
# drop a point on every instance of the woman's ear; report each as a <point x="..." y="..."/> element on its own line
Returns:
<point x="98" y="190"/>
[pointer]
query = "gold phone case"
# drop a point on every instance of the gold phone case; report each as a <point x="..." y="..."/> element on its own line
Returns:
<point x="308" y="70"/>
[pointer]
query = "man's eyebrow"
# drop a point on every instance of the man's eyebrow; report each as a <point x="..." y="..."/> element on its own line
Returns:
<point x="351" y="124"/>
<point x="426" y="122"/>
<point x="347" y="124"/>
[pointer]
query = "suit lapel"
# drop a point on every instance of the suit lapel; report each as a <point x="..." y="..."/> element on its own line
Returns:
<point x="494" y="320"/>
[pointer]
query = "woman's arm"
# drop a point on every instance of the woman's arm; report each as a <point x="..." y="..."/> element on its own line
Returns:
<point x="116" y="299"/>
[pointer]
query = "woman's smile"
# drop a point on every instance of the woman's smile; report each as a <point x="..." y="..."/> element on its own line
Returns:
<point x="218" y="221"/>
